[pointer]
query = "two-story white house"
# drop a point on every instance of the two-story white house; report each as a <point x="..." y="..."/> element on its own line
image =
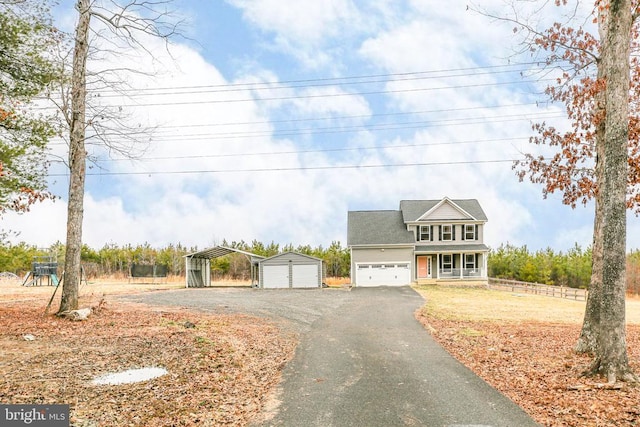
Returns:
<point x="425" y="241"/>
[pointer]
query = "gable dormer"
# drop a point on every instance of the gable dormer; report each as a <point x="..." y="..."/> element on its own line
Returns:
<point x="446" y="210"/>
<point x="414" y="211"/>
<point x="444" y="220"/>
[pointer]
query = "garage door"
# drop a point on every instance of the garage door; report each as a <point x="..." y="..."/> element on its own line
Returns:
<point x="275" y="276"/>
<point x="398" y="274"/>
<point x="305" y="276"/>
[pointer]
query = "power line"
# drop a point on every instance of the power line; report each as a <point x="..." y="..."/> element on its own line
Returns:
<point x="328" y="95"/>
<point x="326" y="150"/>
<point x="301" y="168"/>
<point x="344" y="79"/>
<point x="333" y="131"/>
<point x="275" y="85"/>
<point x="356" y="116"/>
<point x="348" y="129"/>
<point x="311" y="96"/>
<point x="370" y="127"/>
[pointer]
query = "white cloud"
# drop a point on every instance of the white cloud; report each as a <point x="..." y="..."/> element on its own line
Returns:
<point x="213" y="127"/>
<point x="307" y="31"/>
<point x="308" y="23"/>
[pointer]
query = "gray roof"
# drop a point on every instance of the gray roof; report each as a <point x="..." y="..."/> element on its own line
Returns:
<point x="377" y="228"/>
<point x="414" y="209"/>
<point x="291" y="254"/>
<point x="219" y="251"/>
<point x="471" y="247"/>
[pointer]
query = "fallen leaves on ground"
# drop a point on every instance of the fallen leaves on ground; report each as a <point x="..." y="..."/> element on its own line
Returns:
<point x="220" y="367"/>
<point x="534" y="364"/>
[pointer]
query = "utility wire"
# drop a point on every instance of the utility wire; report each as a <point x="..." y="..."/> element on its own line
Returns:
<point x="307" y="96"/>
<point x="357" y="116"/>
<point x="337" y="130"/>
<point x="326" y="150"/>
<point x="283" y="169"/>
<point x="370" y="127"/>
<point x="257" y="86"/>
<point x="358" y="79"/>
<point x="327" y="95"/>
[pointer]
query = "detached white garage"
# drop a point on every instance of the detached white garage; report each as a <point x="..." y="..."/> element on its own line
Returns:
<point x="290" y="270"/>
<point x="378" y="274"/>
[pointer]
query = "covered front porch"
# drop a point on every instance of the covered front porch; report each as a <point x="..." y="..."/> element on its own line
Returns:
<point x="463" y="263"/>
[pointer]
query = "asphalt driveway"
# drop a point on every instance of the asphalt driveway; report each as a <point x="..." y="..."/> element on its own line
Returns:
<point x="363" y="360"/>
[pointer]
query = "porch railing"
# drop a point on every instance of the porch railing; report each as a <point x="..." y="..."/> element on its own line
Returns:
<point x="462" y="273"/>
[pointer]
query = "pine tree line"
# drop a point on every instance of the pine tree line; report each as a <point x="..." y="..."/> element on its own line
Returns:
<point x="116" y="261"/>
<point x="571" y="268"/>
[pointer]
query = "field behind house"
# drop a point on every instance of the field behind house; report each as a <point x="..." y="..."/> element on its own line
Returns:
<point x="522" y="345"/>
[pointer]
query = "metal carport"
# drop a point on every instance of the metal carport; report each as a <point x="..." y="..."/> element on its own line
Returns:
<point x="198" y="265"/>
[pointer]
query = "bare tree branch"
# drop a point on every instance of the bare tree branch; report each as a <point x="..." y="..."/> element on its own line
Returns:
<point x="105" y="125"/>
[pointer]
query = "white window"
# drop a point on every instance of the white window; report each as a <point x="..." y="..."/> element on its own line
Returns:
<point x="470" y="232"/>
<point x="425" y="233"/>
<point x="447" y="263"/>
<point x="446" y="232"/>
<point x="470" y="261"/>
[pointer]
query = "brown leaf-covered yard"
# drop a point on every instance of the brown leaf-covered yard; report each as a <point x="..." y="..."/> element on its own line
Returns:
<point x="522" y="345"/>
<point x="222" y="368"/>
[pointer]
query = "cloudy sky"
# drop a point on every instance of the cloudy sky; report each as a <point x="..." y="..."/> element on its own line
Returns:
<point x="270" y="119"/>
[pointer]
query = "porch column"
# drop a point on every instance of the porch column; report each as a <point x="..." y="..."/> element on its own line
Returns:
<point x="437" y="266"/>
<point x="186" y="271"/>
<point x="485" y="264"/>
<point x="461" y="265"/>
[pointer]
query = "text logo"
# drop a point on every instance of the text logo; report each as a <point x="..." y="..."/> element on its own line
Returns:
<point x="34" y="415"/>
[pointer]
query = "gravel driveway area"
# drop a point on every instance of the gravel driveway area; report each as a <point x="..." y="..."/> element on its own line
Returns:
<point x="294" y="308"/>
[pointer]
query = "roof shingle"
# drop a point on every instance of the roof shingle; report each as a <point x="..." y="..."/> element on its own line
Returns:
<point x="414" y="209"/>
<point x="377" y="227"/>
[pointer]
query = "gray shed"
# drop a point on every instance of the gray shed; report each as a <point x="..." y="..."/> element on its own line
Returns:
<point x="290" y="270"/>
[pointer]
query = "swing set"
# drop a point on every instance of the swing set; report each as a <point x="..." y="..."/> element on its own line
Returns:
<point x="44" y="271"/>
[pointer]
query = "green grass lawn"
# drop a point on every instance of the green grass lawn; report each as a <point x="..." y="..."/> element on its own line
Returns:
<point x="479" y="304"/>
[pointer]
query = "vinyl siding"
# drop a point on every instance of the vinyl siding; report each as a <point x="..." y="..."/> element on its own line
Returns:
<point x="459" y="230"/>
<point x="389" y="255"/>
<point x="446" y="212"/>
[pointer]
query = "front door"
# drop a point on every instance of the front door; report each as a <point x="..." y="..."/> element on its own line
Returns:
<point x="424" y="267"/>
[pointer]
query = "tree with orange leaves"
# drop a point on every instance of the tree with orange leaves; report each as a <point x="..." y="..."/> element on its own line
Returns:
<point x="598" y="158"/>
<point x="26" y="69"/>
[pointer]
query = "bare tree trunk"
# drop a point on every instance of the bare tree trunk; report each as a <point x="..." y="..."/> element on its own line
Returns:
<point x="588" y="340"/>
<point x="611" y="350"/>
<point x="77" y="162"/>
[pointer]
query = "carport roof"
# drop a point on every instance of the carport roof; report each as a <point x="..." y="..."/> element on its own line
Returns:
<point x="219" y="251"/>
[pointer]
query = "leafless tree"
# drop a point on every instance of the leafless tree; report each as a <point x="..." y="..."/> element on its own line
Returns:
<point x="126" y="22"/>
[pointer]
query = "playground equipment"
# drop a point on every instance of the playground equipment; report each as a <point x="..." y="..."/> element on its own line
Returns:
<point x="43" y="267"/>
<point x="148" y="273"/>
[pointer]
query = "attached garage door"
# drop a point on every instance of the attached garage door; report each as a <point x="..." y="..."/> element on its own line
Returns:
<point x="305" y="276"/>
<point x="398" y="274"/>
<point x="275" y="276"/>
